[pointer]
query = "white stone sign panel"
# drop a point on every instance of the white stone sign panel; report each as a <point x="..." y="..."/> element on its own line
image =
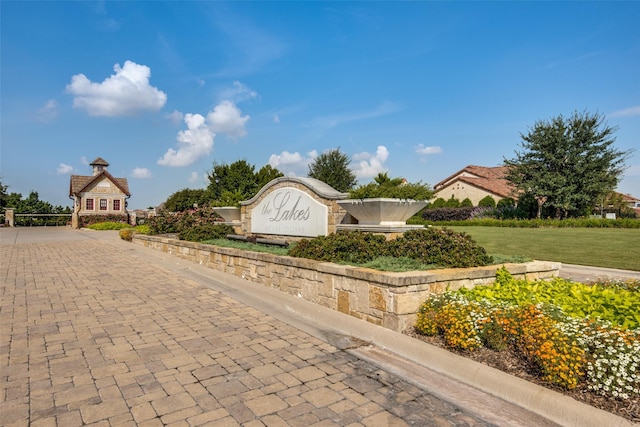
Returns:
<point x="290" y="212"/>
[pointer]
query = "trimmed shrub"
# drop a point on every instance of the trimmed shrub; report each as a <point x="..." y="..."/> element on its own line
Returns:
<point x="202" y="232"/>
<point x="126" y="234"/>
<point x="109" y="226"/>
<point x="466" y="203"/>
<point x="487" y="202"/>
<point x="344" y="246"/>
<point x="452" y="203"/>
<point x="437" y="203"/>
<point x="143" y="229"/>
<point x="87" y="220"/>
<point x="176" y="222"/>
<point x="439" y="246"/>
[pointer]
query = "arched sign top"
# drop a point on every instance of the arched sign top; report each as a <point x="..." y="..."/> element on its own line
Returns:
<point x="322" y="189"/>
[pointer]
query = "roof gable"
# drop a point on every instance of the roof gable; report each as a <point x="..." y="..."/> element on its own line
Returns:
<point x="79" y="183"/>
<point x="490" y="179"/>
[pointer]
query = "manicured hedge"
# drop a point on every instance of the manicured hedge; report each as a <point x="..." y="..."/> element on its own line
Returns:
<point x="432" y="246"/>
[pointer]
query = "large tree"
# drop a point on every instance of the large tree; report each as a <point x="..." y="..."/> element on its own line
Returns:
<point x="186" y="199"/>
<point x="567" y="164"/>
<point x="332" y="167"/>
<point x="232" y="183"/>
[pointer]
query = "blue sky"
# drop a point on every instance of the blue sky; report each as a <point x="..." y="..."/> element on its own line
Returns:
<point x="162" y="90"/>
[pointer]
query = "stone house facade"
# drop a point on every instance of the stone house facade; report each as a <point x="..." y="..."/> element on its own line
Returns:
<point x="99" y="194"/>
<point x="475" y="183"/>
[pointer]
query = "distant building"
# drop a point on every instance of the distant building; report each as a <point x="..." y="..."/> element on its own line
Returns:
<point x="475" y="183"/>
<point x="630" y="201"/>
<point x="100" y="194"/>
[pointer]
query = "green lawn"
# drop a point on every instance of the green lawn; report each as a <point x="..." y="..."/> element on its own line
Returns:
<point x="601" y="247"/>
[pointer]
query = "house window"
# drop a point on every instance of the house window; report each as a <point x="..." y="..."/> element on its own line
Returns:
<point x="116" y="205"/>
<point x="89" y="204"/>
<point x="103" y="204"/>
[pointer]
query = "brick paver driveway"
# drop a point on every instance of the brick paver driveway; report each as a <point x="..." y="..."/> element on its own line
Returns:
<point x="93" y="333"/>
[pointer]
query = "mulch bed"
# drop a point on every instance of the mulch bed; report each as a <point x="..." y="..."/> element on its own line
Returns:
<point x="507" y="361"/>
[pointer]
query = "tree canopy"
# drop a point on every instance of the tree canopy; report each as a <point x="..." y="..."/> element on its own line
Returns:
<point x="231" y="183"/>
<point x="187" y="198"/>
<point x="398" y="188"/>
<point x="30" y="204"/>
<point x="3" y="193"/>
<point x="332" y="167"/>
<point x="567" y="164"/>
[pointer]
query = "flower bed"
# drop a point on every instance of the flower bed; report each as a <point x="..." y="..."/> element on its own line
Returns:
<point x="588" y="346"/>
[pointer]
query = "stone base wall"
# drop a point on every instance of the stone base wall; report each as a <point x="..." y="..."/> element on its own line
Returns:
<point x="387" y="299"/>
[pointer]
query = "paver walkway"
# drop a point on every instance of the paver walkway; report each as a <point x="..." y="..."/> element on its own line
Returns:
<point x="91" y="333"/>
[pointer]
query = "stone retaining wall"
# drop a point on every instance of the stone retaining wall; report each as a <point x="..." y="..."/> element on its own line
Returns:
<point x="387" y="299"/>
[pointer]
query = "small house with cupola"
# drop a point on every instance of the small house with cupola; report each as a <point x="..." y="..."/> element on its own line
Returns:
<point x="99" y="196"/>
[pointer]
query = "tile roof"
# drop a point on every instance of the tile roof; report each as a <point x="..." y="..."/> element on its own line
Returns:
<point x="628" y="197"/>
<point x="79" y="183"/>
<point x="490" y="179"/>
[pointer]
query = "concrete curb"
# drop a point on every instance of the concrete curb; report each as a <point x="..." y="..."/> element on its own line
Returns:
<point x="330" y="325"/>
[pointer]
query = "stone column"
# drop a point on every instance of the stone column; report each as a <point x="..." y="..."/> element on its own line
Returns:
<point x="9" y="217"/>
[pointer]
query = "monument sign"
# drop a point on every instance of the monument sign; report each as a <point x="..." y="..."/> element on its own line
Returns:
<point x="288" y="211"/>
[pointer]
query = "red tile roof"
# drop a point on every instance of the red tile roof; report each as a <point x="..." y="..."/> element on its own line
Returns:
<point x="490" y="179"/>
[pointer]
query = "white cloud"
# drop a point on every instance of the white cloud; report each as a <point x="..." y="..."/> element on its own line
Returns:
<point x="48" y="112"/>
<point x="197" y="141"/>
<point x="425" y="151"/>
<point x="141" y="173"/>
<point x="193" y="178"/>
<point x="124" y="93"/>
<point x="64" y="169"/>
<point x="627" y="112"/>
<point x="292" y="164"/>
<point x="193" y="143"/>
<point x="369" y="165"/>
<point x="276" y="118"/>
<point x="227" y="118"/>
<point x="238" y="93"/>
<point x="84" y="161"/>
<point x="175" y="117"/>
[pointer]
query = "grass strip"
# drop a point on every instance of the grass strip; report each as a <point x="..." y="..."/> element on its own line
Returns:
<point x="599" y="247"/>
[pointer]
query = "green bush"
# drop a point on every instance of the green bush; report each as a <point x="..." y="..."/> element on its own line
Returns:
<point x="203" y="232"/>
<point x="176" y="222"/>
<point x="143" y="229"/>
<point x="393" y="188"/>
<point x="487" y="202"/>
<point x="507" y="202"/>
<point x="126" y="234"/>
<point x="87" y="220"/>
<point x="466" y="203"/>
<point x="439" y="246"/>
<point x="452" y="203"/>
<point x="437" y="203"/>
<point x="108" y="225"/>
<point x="344" y="246"/>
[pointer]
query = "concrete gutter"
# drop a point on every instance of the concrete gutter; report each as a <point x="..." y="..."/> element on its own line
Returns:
<point x="466" y="383"/>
